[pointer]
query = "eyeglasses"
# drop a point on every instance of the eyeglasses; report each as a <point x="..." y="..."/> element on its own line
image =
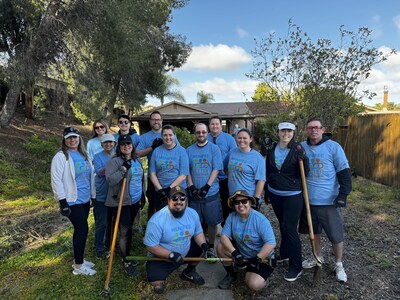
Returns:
<point x="156" y="120"/>
<point x="243" y="201"/>
<point x="180" y="198"/>
<point x="99" y="127"/>
<point x="314" y="127"/>
<point x="201" y="132"/>
<point x="124" y="122"/>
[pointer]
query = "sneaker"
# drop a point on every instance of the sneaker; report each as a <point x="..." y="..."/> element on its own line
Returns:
<point x="130" y="269"/>
<point x="83" y="270"/>
<point x="311" y="262"/>
<point x="159" y="289"/>
<point x="193" y="277"/>
<point x="281" y="260"/>
<point x="100" y="254"/>
<point x="87" y="263"/>
<point x="226" y="282"/>
<point x="340" y="273"/>
<point x="292" y="275"/>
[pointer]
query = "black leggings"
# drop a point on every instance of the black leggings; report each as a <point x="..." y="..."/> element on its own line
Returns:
<point x="78" y="218"/>
<point x="125" y="228"/>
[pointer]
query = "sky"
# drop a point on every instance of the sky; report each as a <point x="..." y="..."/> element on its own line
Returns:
<point x="223" y="33"/>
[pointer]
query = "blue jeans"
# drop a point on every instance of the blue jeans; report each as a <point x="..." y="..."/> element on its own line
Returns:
<point x="100" y="219"/>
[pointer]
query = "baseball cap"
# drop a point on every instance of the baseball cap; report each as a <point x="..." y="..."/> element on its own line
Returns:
<point x="177" y="190"/>
<point x="107" y="138"/>
<point x="286" y="125"/>
<point x="242" y="193"/>
<point x="70" y="131"/>
<point x="124" y="139"/>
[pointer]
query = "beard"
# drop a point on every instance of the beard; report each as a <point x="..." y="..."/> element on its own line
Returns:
<point x="177" y="214"/>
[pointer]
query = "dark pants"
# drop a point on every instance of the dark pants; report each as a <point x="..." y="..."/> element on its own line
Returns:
<point x="224" y="195"/>
<point x="101" y="221"/>
<point x="134" y="211"/>
<point x="152" y="198"/>
<point x="78" y="218"/>
<point x="125" y="228"/>
<point x="288" y="210"/>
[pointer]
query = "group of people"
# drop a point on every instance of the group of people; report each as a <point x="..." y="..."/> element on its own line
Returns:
<point x="219" y="180"/>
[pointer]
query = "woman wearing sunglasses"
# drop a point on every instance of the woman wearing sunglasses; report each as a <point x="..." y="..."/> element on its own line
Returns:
<point x="246" y="235"/>
<point x="124" y="125"/>
<point x="93" y="146"/>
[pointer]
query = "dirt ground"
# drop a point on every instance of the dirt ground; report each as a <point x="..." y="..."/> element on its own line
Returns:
<point x="372" y="248"/>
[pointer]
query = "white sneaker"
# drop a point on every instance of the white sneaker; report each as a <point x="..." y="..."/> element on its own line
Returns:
<point x="87" y="263"/>
<point x="83" y="270"/>
<point x="311" y="262"/>
<point x="340" y="273"/>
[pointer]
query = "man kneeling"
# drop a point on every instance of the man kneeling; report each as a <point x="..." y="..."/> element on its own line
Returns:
<point x="173" y="233"/>
<point x="247" y="235"/>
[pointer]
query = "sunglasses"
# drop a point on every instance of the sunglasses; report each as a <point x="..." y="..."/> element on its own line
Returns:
<point x="314" y="127"/>
<point x="99" y="127"/>
<point x="201" y="132"/>
<point x="180" y="198"/>
<point x="124" y="122"/>
<point x="242" y="201"/>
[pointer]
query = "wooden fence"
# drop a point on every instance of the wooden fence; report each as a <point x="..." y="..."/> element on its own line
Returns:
<point x="372" y="146"/>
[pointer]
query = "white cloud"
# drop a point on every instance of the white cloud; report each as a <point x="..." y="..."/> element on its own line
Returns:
<point x="396" y="21"/>
<point x="242" y="33"/>
<point x="216" y="58"/>
<point x="376" y="19"/>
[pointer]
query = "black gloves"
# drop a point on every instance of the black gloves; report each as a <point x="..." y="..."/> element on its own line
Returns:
<point x="163" y="194"/>
<point x="204" y="190"/>
<point x="257" y="205"/>
<point x="156" y="143"/>
<point x="92" y="202"/>
<point x="340" y="200"/>
<point x="206" y="251"/>
<point x="300" y="152"/>
<point x="176" y="258"/>
<point x="142" y="201"/>
<point x="195" y="193"/>
<point x="65" y="210"/>
<point x="255" y="262"/>
<point x="237" y="260"/>
<point x="127" y="164"/>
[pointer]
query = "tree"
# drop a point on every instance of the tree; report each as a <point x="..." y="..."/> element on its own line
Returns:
<point x="166" y="90"/>
<point x="391" y="106"/>
<point x="204" y="97"/>
<point x="316" y="79"/>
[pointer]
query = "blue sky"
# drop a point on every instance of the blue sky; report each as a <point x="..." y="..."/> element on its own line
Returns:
<point x="222" y="34"/>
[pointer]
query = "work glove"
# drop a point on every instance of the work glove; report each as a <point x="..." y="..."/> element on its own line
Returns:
<point x="195" y="193"/>
<point x="92" y="202"/>
<point x="65" y="210"/>
<point x="255" y="262"/>
<point x="340" y="200"/>
<point x="204" y="190"/>
<point x="257" y="205"/>
<point x="176" y="258"/>
<point x="237" y="260"/>
<point x="300" y="153"/>
<point x="163" y="193"/>
<point x="142" y="201"/>
<point x="127" y="164"/>
<point x="156" y="143"/>
<point x="207" y="253"/>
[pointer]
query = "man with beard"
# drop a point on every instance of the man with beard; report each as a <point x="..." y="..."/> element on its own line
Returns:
<point x="148" y="142"/>
<point x="173" y="233"/>
<point x="205" y="162"/>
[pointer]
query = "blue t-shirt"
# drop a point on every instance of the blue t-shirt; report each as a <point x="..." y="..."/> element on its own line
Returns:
<point x="136" y="183"/>
<point x="99" y="161"/>
<point x="93" y="147"/>
<point x="226" y="143"/>
<point x="326" y="160"/>
<point x="83" y="173"/>
<point x="135" y="139"/>
<point x="146" y="140"/>
<point x="250" y="234"/>
<point x="172" y="233"/>
<point x="169" y="164"/>
<point x="244" y="170"/>
<point x="202" y="161"/>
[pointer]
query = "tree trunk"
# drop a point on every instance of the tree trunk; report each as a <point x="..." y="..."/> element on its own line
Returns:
<point x="29" y="103"/>
<point x="115" y="85"/>
<point x="10" y="104"/>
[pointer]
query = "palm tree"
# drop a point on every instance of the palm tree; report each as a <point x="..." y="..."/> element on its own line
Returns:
<point x="166" y="90"/>
<point x="204" y="98"/>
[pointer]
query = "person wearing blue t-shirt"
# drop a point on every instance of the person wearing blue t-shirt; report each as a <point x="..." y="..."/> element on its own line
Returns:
<point x="284" y="191"/>
<point x="245" y="167"/>
<point x="72" y="182"/>
<point x="94" y="146"/>
<point x="247" y="234"/>
<point x="148" y="142"/>
<point x="169" y="166"/>
<point x="328" y="185"/>
<point x="226" y="143"/>
<point x="124" y="125"/>
<point x="100" y="160"/>
<point x="205" y="162"/>
<point x="173" y="233"/>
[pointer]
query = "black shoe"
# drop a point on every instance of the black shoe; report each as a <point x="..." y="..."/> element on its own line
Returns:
<point x="130" y="269"/>
<point x="292" y="275"/>
<point x="100" y="254"/>
<point x="226" y="282"/>
<point x="193" y="277"/>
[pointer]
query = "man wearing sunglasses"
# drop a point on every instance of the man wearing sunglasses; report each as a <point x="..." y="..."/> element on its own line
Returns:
<point x="172" y="233"/>
<point x="124" y="125"/>
<point x="249" y="240"/>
